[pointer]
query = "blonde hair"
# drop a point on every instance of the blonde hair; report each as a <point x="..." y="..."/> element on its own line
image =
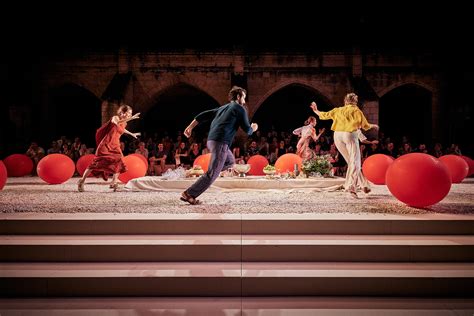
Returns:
<point x="351" y="98"/>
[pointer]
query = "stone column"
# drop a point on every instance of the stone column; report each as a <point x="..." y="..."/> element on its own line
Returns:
<point x="371" y="111"/>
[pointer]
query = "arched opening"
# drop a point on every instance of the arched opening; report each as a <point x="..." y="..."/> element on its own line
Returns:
<point x="77" y="113"/>
<point x="288" y="108"/>
<point x="175" y="108"/>
<point x="406" y="111"/>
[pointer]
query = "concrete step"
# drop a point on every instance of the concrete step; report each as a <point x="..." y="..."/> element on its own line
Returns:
<point x="358" y="248"/>
<point x="250" y="306"/>
<point x="149" y="224"/>
<point x="236" y="279"/>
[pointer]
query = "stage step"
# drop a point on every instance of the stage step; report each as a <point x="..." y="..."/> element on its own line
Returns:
<point x="250" y="306"/>
<point x="236" y="279"/>
<point x="150" y="248"/>
<point x="267" y="224"/>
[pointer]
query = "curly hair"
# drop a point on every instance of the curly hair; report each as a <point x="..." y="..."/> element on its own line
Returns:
<point x="351" y="98"/>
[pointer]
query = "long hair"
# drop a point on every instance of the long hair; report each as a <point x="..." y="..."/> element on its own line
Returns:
<point x="310" y="120"/>
<point x="236" y="92"/>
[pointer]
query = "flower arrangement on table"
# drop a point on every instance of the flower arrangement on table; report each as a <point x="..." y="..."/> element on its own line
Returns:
<point x="195" y="171"/>
<point x="319" y="166"/>
<point x="269" y="170"/>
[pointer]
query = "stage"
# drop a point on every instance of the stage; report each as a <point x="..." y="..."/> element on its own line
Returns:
<point x="31" y="194"/>
<point x="284" y="251"/>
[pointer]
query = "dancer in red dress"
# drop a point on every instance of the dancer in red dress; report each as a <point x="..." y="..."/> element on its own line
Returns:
<point x="109" y="156"/>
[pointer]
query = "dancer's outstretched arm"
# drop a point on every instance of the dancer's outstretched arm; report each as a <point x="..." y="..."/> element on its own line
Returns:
<point x="317" y="136"/>
<point x="134" y="135"/>
<point x="189" y="129"/>
<point x="134" y="117"/>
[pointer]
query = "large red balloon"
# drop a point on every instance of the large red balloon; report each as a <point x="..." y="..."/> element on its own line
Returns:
<point x="458" y="167"/>
<point x="3" y="175"/>
<point x="203" y="161"/>
<point x="55" y="168"/>
<point x="257" y="163"/>
<point x="83" y="163"/>
<point x="286" y="163"/>
<point x="142" y="158"/>
<point x="375" y="167"/>
<point x="18" y="165"/>
<point x="136" y="168"/>
<point x="418" y="180"/>
<point x="470" y="162"/>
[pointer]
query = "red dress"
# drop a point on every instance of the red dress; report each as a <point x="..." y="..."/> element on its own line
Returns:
<point x="109" y="156"/>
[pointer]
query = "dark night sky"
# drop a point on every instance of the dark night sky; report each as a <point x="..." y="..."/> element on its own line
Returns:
<point x="291" y="26"/>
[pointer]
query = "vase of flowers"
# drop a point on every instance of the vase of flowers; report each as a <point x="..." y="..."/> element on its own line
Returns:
<point x="318" y="166"/>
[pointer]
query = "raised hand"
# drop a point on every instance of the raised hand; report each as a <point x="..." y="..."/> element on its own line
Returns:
<point x="188" y="131"/>
<point x="314" y="106"/>
<point x="254" y="126"/>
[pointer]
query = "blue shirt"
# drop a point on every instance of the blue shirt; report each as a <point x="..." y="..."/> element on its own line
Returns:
<point x="226" y="120"/>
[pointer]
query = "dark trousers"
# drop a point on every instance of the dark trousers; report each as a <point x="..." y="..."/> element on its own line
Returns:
<point x="221" y="159"/>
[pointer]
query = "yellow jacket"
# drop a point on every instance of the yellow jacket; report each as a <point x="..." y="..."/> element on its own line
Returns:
<point x="347" y="118"/>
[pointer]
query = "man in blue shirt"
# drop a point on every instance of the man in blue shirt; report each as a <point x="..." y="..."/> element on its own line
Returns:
<point x="226" y="120"/>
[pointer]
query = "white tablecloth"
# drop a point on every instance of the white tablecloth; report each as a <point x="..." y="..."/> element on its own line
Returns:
<point x="249" y="183"/>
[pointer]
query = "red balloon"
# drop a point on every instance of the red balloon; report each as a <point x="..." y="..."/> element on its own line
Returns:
<point x="136" y="168"/>
<point x="83" y="163"/>
<point x="470" y="162"/>
<point x="286" y="163"/>
<point x="375" y="167"/>
<point x="418" y="180"/>
<point x="203" y="161"/>
<point x="3" y="175"/>
<point x="458" y="167"/>
<point x="257" y="163"/>
<point x="55" y="168"/>
<point x="18" y="165"/>
<point x="142" y="158"/>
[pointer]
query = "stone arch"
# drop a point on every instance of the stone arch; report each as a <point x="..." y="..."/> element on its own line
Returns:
<point x="398" y="84"/>
<point x="70" y="103"/>
<point x="175" y="106"/>
<point x="283" y="84"/>
<point x="271" y="112"/>
<point x="156" y="91"/>
<point x="405" y="109"/>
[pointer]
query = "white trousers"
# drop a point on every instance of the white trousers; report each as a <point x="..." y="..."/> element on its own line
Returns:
<point x="348" y="145"/>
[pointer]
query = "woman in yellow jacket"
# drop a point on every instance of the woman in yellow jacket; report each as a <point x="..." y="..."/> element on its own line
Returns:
<point x="346" y="122"/>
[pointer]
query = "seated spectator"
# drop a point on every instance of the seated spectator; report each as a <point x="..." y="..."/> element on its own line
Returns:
<point x="35" y="152"/>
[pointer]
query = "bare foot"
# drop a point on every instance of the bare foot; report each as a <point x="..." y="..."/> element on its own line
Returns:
<point x="80" y="185"/>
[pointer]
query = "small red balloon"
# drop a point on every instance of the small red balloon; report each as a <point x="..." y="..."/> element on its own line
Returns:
<point x="55" y="168"/>
<point x="3" y="175"/>
<point x="470" y="162"/>
<point x="286" y="163"/>
<point x="418" y="180"/>
<point x="136" y="168"/>
<point x="203" y="161"/>
<point x="83" y="163"/>
<point x="458" y="167"/>
<point x="375" y="167"/>
<point x="142" y="158"/>
<point x="18" y="165"/>
<point x="257" y="163"/>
